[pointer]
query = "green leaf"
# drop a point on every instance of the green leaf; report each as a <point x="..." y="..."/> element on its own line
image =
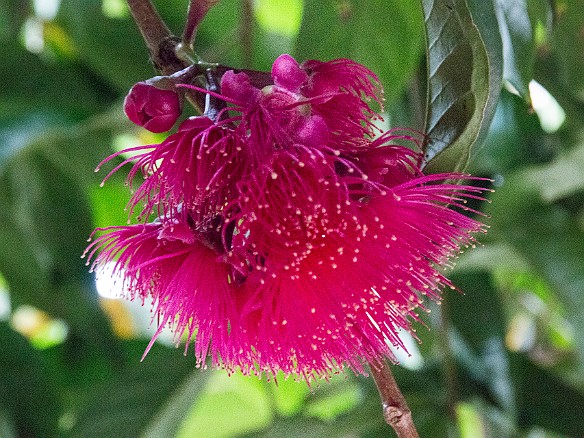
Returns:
<point x="515" y="139"/>
<point x="148" y="398"/>
<point x="384" y="35"/>
<point x="476" y="419"/>
<point x="490" y="257"/>
<point x="518" y="44"/>
<point x="422" y="390"/>
<point x="333" y="399"/>
<point x="484" y="333"/>
<point x="289" y="395"/>
<point x="28" y="400"/>
<point x="464" y="62"/>
<point x="561" y="178"/>
<point x="479" y="293"/>
<point x="168" y="420"/>
<point x="279" y="16"/>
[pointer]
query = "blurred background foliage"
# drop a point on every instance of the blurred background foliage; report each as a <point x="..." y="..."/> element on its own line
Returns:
<point x="504" y="359"/>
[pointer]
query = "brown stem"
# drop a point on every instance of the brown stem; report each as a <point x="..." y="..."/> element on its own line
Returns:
<point x="197" y="11"/>
<point x="160" y="42"/>
<point x="395" y="408"/>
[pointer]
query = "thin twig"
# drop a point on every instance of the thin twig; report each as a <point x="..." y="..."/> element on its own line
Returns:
<point x="395" y="408"/>
<point x="153" y="29"/>
<point x="159" y="40"/>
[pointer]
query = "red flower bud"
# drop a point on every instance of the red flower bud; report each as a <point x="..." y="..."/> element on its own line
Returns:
<point x="154" y="109"/>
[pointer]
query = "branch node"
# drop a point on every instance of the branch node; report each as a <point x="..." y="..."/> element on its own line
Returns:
<point x="395" y="408"/>
<point x="392" y="414"/>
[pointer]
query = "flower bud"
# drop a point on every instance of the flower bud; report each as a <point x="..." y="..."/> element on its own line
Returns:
<point x="155" y="109"/>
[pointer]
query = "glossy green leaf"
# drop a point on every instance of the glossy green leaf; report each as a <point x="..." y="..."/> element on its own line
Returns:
<point x="386" y="36"/>
<point x="464" y="62"/>
<point x="518" y="43"/>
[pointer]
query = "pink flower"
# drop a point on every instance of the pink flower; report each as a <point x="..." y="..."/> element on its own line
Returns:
<point x="191" y="290"/>
<point x="317" y="104"/>
<point x="195" y="168"/>
<point x="289" y="237"/>
<point x="337" y="267"/>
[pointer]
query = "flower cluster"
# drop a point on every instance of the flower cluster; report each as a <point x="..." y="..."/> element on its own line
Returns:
<point x="290" y="235"/>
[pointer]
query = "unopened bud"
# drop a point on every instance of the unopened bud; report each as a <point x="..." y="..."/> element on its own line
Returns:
<point x="153" y="108"/>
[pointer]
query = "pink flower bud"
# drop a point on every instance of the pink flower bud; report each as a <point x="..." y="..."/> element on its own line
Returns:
<point x="154" y="109"/>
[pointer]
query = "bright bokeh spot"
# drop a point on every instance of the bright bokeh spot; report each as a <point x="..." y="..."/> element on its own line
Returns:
<point x="108" y="284"/>
<point x="41" y="330"/>
<point x="114" y="8"/>
<point x="469" y="421"/>
<point x="410" y="358"/>
<point x="4" y="305"/>
<point x="279" y="16"/>
<point x="551" y="114"/>
<point x="129" y="319"/>
<point x="32" y="34"/>
<point x="46" y="9"/>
